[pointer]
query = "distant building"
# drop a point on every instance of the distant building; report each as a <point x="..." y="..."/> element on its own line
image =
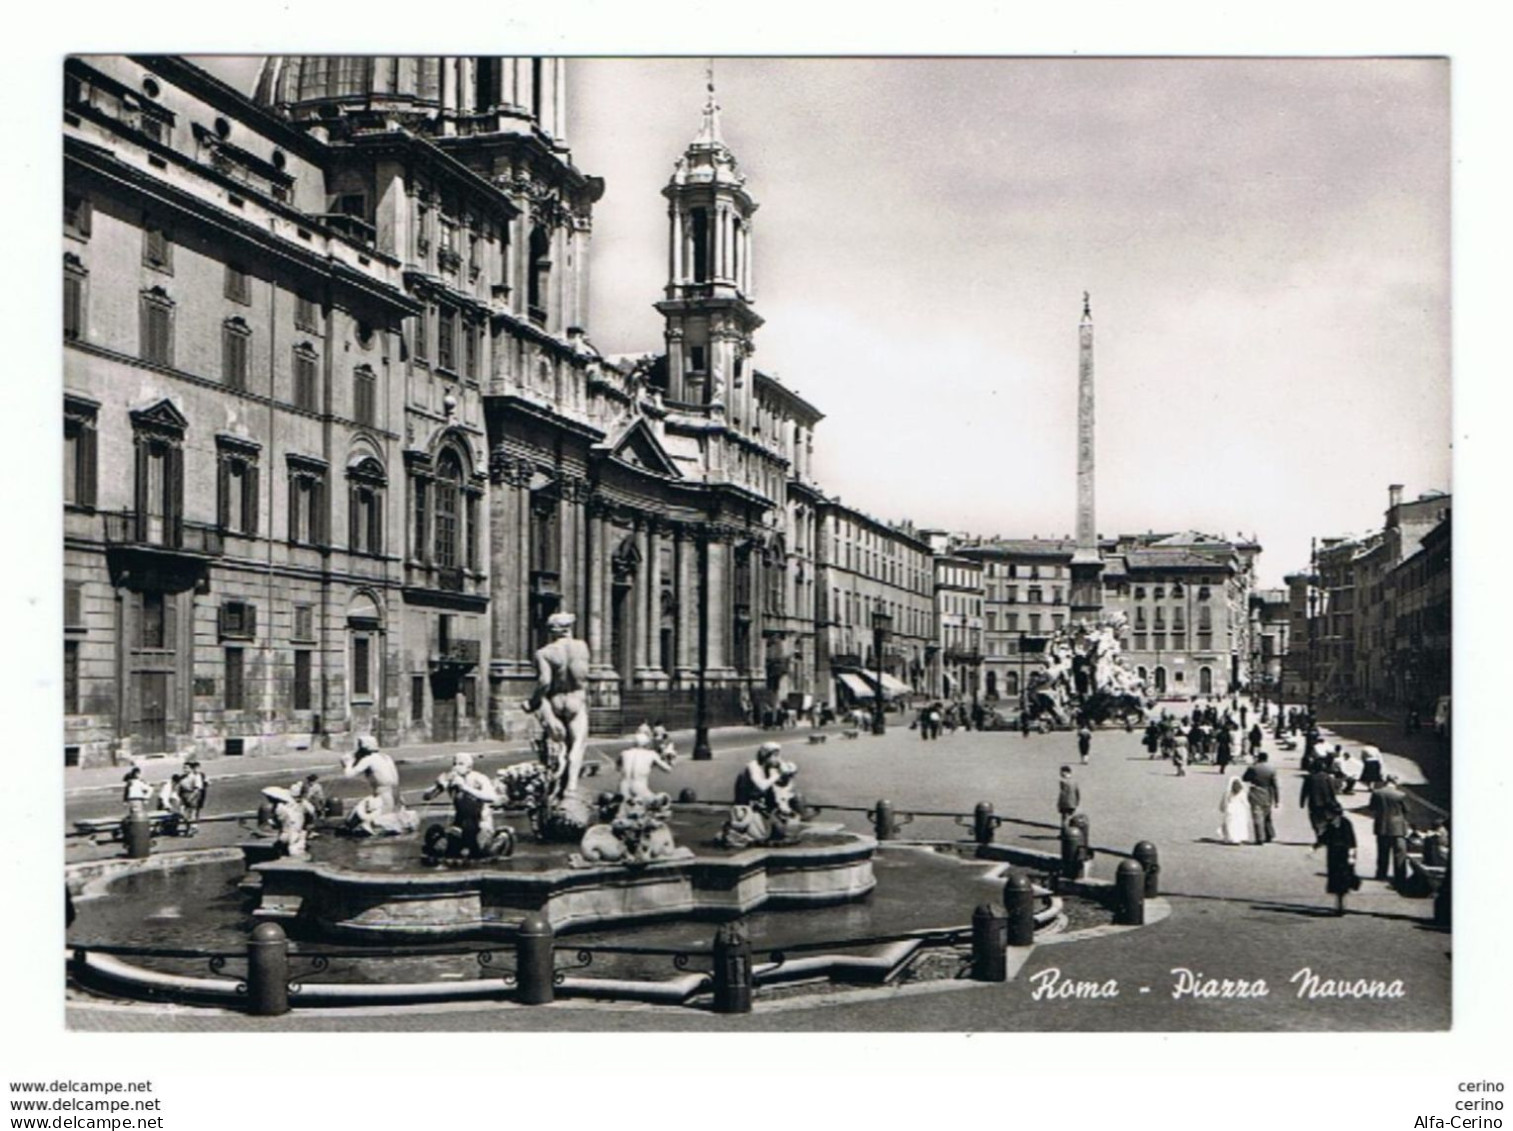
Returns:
<point x="866" y="567"/>
<point x="1270" y="629"/>
<point x="1186" y="597"/>
<point x="959" y="619"/>
<point x="1026" y="588"/>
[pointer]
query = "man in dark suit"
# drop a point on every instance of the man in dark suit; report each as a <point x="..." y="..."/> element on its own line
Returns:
<point x="1264" y="797"/>
<point x="1318" y="798"/>
<point x="1389" y="821"/>
<point x="1069" y="797"/>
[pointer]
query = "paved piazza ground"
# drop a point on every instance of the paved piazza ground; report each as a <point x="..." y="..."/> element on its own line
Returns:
<point x="1238" y="912"/>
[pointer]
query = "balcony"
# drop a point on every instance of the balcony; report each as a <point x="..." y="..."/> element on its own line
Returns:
<point x="456" y="654"/>
<point x="960" y="656"/>
<point x="451" y="579"/>
<point x="160" y="534"/>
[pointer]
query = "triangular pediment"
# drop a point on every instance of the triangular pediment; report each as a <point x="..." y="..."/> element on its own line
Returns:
<point x="160" y="414"/>
<point x="637" y="446"/>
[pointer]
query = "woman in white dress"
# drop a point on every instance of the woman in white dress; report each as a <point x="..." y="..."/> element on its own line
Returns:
<point x="1235" y="807"/>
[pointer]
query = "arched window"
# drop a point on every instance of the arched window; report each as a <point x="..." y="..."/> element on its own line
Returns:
<point x="1206" y="681"/>
<point x="448" y="507"/>
<point x="365" y="505"/>
<point x="539" y="274"/>
<point x="1160" y="679"/>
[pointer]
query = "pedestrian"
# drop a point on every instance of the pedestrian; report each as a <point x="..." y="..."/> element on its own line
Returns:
<point x="288" y="819"/>
<point x="1371" y="768"/>
<point x="1069" y="798"/>
<point x="1337" y="837"/>
<point x="1235" y="808"/>
<point x="170" y="807"/>
<point x="136" y="793"/>
<point x="1389" y="824"/>
<point x="1244" y="710"/>
<point x="1318" y="797"/>
<point x="194" y="787"/>
<point x="1264" y="797"/>
<point x="1179" y="753"/>
<point x="1084" y="741"/>
<point x="1224" y="753"/>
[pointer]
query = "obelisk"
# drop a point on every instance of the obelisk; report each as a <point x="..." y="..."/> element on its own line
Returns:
<point x="1087" y="563"/>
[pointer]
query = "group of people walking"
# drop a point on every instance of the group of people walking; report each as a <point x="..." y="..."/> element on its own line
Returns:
<point x="179" y="800"/>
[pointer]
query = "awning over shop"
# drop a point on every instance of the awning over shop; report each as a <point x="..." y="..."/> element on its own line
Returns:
<point x="860" y="684"/>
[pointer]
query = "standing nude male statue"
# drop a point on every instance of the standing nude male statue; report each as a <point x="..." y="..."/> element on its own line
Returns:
<point x="561" y="701"/>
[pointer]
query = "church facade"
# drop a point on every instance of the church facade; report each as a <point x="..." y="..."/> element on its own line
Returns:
<point x="337" y="441"/>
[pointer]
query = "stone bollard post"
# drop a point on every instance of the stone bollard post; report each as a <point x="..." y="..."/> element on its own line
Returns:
<point x="989" y="938"/>
<point x="732" y="969"/>
<point x="1019" y="902"/>
<point x="267" y="971"/>
<point x="883" y="824"/>
<point x="1145" y="852"/>
<point x="983" y="823"/>
<point x="136" y="832"/>
<point x="687" y="797"/>
<point x="1442" y="901"/>
<point x="535" y="975"/>
<point x="1129" y="893"/>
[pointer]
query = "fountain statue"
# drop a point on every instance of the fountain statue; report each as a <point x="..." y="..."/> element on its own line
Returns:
<point x="382" y="812"/>
<point x="289" y="819"/>
<point x="560" y="702"/>
<point x="1085" y="677"/>
<point x="765" y="809"/>
<point x="471" y="834"/>
<point x="636" y="834"/>
<point x="637" y="761"/>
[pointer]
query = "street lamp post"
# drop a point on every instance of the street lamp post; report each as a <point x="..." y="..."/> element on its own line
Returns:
<point x="881" y="622"/>
<point x="701" y="749"/>
<point x="1313" y="628"/>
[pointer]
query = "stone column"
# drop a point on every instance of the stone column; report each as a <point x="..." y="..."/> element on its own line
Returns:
<point x="674" y="243"/>
<point x="521" y="532"/>
<point x="641" y="599"/>
<point x="654" y="603"/>
<point x="719" y="604"/>
<point x="597" y="564"/>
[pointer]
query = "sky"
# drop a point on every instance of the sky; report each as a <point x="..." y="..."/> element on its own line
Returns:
<point x="1266" y="244"/>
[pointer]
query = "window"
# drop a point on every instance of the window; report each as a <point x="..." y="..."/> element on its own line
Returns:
<point x="70" y="677"/>
<point x="1056" y="595"/>
<point x="365" y="518"/>
<point x="234" y="338"/>
<point x="539" y="274"/>
<point x="1035" y="622"/>
<point x="75" y="281"/>
<point x="157" y="248"/>
<point x="304" y="622"/>
<point x="446" y="337"/>
<point x="419" y="545"/>
<point x="1140" y="644"/>
<point x="447" y="506"/>
<point x="1058" y="621"/>
<point x="1035" y="595"/>
<point x="238" y="284"/>
<point x="236" y="694"/>
<point x="469" y="351"/>
<point x="422" y="230"/>
<point x="302" y="683"/>
<point x="700" y="238"/>
<point x="364" y="396"/>
<point x="307" y="502"/>
<point x="238" y="620"/>
<point x="1139" y="592"/>
<point x="79" y="452"/>
<point x="1159" y="593"/>
<point x="696" y="359"/>
<point x="1011" y="622"/>
<point x="237" y="490"/>
<point x="362" y="667"/>
<point x="306" y="315"/>
<point x="157" y="328"/>
<point x="305" y="395"/>
<point x="78" y="215"/>
<point x="422" y="336"/>
<point x="1160" y="618"/>
<point x="470" y="697"/>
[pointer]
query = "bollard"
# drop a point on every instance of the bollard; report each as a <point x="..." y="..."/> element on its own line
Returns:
<point x="333" y="807"/>
<point x="268" y="971"/>
<point x="687" y="797"/>
<point x="1129" y="893"/>
<point x="136" y="831"/>
<point x="1442" y="901"/>
<point x="1019" y="902"/>
<point x="535" y="977"/>
<point x="1071" y="856"/>
<point x="883" y="824"/>
<point x="983" y="823"/>
<point x="732" y="969"/>
<point x="1145" y="852"/>
<point x="989" y="937"/>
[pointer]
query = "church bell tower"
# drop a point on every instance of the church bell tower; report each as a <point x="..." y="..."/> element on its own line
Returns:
<point x="707" y="303"/>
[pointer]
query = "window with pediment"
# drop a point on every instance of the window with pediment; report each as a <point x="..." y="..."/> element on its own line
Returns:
<point x="366" y="482"/>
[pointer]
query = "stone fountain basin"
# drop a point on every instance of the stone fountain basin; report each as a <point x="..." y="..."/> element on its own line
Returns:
<point x="380" y="891"/>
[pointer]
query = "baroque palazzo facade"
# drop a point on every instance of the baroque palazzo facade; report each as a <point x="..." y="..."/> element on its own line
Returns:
<point x="337" y="442"/>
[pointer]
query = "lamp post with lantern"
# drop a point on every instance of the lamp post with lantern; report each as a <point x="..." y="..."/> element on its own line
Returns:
<point x="881" y="623"/>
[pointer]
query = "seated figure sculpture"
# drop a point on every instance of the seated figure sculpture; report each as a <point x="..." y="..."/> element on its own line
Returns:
<point x="637" y="761"/>
<point x="382" y="812"/>
<point x="637" y="834"/>
<point x="560" y="702"/>
<point x="765" y="809"/>
<point x="471" y="833"/>
<point x="289" y="819"/>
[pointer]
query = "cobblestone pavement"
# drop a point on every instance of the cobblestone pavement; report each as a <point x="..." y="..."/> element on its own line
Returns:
<point x="1238" y="912"/>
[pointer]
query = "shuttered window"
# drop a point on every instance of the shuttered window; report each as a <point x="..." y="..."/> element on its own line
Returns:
<point x="305" y="395"/>
<point x="365" y="397"/>
<point x="236" y="695"/>
<point x="302" y="681"/>
<point x="234" y="339"/>
<point x="157" y="329"/>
